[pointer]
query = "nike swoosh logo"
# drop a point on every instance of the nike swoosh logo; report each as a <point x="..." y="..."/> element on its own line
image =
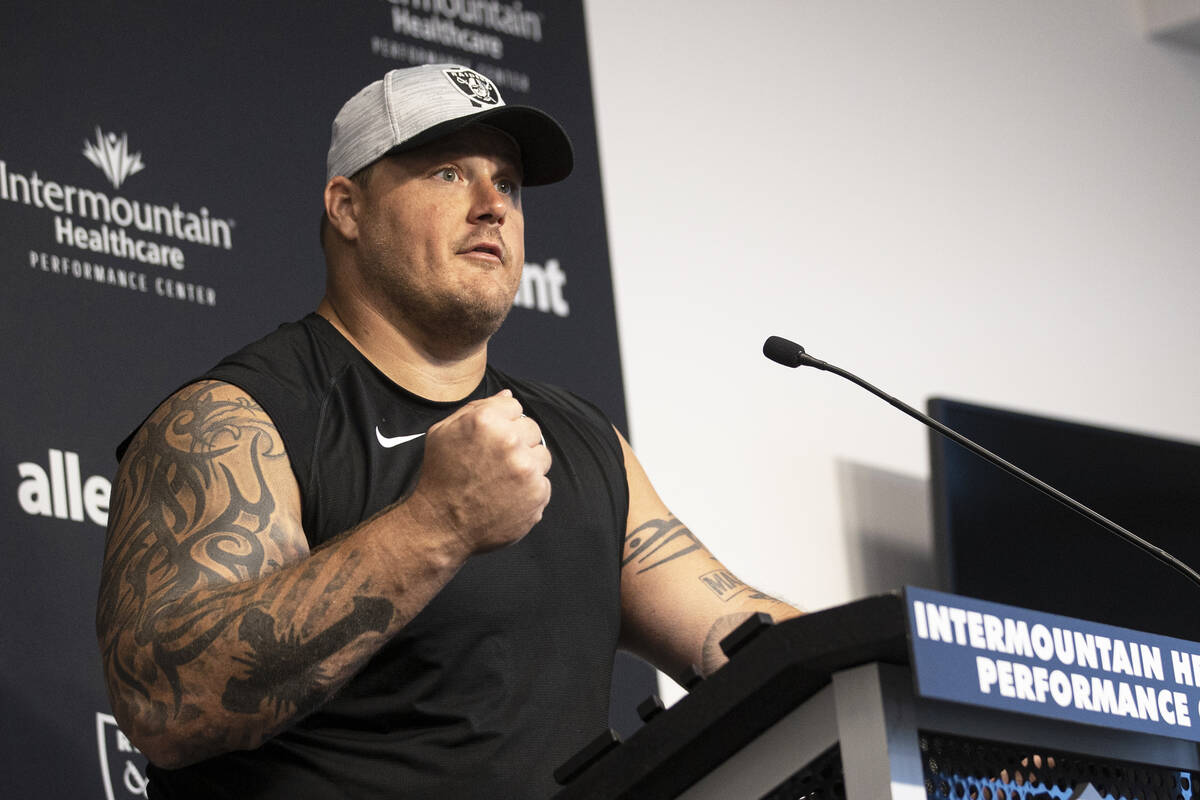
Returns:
<point x="392" y="441"/>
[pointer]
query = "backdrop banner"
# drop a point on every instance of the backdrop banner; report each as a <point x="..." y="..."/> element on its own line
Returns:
<point x="161" y="168"/>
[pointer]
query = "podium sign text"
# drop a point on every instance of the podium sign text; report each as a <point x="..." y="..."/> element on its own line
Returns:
<point x="988" y="654"/>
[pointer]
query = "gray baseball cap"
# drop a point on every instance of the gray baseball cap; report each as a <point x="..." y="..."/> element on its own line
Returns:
<point x="414" y="106"/>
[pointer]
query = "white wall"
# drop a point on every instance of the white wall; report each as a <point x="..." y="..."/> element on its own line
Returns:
<point x="994" y="201"/>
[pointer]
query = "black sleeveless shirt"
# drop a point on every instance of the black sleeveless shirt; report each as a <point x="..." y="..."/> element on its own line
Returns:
<point x="505" y="674"/>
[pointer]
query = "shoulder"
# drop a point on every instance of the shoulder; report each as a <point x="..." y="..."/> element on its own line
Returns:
<point x="196" y="417"/>
<point x="208" y="445"/>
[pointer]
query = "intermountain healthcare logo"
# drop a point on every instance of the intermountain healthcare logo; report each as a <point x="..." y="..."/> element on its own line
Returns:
<point x="471" y="33"/>
<point x="112" y="156"/>
<point x="113" y="227"/>
<point x="122" y="766"/>
<point x="465" y="25"/>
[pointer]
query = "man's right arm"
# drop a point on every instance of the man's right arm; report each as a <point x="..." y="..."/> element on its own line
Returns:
<point x="217" y="627"/>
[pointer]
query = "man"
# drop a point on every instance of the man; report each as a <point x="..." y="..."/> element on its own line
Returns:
<point x="355" y="560"/>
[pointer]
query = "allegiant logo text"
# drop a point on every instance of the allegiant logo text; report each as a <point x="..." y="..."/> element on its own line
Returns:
<point x="59" y="489"/>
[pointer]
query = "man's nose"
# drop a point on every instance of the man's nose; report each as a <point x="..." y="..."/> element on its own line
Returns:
<point x="489" y="204"/>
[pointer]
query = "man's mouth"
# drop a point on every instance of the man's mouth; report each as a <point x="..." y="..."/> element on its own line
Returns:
<point x="486" y="248"/>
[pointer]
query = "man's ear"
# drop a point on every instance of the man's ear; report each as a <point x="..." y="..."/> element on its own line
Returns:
<point x="341" y="206"/>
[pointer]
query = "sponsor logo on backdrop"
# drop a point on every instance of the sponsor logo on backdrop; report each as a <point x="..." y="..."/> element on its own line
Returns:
<point x="111" y="239"/>
<point x="57" y="488"/>
<point x="467" y="32"/>
<point x="111" y="154"/>
<point x="542" y="289"/>
<point x="122" y="766"/>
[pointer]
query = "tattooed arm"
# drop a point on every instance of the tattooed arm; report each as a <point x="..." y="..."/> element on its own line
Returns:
<point x="677" y="600"/>
<point x="217" y="627"/>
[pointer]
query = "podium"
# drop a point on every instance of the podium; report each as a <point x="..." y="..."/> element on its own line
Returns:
<point x="824" y="706"/>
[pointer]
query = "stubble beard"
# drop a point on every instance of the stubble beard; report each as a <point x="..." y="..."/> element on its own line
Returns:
<point x="448" y="321"/>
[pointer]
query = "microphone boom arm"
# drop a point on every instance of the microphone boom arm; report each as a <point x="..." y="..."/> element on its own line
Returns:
<point x="789" y="354"/>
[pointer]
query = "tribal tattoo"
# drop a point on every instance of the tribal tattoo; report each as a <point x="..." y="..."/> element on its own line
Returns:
<point x="712" y="656"/>
<point x="194" y="518"/>
<point x="246" y="695"/>
<point x="658" y="541"/>
<point x="177" y="537"/>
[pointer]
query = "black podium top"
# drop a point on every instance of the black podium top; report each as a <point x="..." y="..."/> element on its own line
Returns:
<point x="772" y="673"/>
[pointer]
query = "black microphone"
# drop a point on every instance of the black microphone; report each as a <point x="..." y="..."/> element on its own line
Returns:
<point x="790" y="354"/>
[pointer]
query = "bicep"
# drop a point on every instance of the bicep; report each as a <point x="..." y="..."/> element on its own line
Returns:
<point x="204" y="497"/>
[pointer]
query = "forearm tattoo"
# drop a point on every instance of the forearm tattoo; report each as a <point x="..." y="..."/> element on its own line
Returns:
<point x="269" y="649"/>
<point x="193" y="519"/>
<point x="724" y="584"/>
<point x="712" y="656"/>
<point x="657" y="542"/>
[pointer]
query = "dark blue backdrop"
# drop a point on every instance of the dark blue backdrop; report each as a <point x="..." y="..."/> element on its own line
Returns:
<point x="206" y="116"/>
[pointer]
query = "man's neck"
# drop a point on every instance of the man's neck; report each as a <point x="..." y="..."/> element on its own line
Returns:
<point x="400" y="355"/>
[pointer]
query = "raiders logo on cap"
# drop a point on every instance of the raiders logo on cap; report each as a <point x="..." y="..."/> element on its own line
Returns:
<point x="476" y="87"/>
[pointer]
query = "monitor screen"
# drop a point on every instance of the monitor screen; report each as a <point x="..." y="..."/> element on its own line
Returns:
<point x="998" y="539"/>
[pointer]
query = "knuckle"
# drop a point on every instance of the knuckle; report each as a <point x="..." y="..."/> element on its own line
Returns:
<point x="525" y="470"/>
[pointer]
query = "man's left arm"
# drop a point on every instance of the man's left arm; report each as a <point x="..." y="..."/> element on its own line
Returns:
<point x="677" y="600"/>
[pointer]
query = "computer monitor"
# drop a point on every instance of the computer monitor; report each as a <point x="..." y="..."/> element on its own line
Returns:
<point x="998" y="539"/>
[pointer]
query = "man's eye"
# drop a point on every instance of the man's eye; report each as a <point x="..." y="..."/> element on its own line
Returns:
<point x="448" y="174"/>
<point x="506" y="187"/>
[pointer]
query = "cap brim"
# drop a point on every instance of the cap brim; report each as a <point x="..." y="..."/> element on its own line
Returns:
<point x="546" y="152"/>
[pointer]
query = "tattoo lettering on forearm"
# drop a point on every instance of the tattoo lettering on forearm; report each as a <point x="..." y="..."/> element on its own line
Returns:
<point x="658" y="541"/>
<point x="725" y="585"/>
<point x="246" y="695"/>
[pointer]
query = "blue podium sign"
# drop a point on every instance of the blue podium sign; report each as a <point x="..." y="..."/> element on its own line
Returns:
<point x="1005" y="657"/>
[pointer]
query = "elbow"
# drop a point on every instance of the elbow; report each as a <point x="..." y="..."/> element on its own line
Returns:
<point x="164" y="755"/>
<point x="170" y="740"/>
<point x="144" y="724"/>
<point x="170" y="749"/>
<point x="148" y="738"/>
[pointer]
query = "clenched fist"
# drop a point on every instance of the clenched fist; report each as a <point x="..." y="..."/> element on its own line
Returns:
<point x="484" y="475"/>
